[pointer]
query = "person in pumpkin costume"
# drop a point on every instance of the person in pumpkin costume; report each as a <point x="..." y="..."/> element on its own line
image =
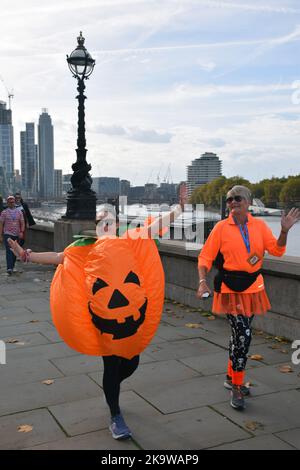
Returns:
<point x="107" y="298"/>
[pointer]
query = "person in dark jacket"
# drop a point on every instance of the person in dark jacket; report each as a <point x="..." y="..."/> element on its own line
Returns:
<point x="23" y="207"/>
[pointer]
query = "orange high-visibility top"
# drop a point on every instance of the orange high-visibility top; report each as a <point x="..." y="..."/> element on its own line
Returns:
<point x="227" y="238"/>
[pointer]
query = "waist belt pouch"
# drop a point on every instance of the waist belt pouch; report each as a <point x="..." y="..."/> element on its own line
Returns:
<point x="237" y="281"/>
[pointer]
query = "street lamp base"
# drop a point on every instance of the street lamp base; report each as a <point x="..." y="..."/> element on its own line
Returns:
<point x="81" y="206"/>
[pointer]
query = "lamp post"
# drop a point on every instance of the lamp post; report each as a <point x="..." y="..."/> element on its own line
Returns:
<point x="81" y="199"/>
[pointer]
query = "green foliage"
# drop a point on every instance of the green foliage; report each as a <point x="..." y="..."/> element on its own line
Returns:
<point x="273" y="190"/>
<point x="291" y="190"/>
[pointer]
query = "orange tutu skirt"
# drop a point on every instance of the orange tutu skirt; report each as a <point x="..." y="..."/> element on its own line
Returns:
<point x="237" y="303"/>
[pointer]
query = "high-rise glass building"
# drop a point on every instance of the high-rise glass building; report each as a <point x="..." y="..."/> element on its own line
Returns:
<point x="6" y="141"/>
<point x="29" y="160"/>
<point x="203" y="170"/>
<point x="46" y="155"/>
<point x="58" y="184"/>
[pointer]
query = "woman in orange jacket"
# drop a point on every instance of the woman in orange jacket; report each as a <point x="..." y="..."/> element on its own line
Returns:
<point x="238" y="244"/>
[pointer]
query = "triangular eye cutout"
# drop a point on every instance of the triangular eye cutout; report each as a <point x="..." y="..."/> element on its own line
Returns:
<point x="99" y="284"/>
<point x="132" y="277"/>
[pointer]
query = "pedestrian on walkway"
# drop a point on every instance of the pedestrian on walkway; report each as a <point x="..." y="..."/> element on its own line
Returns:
<point x="29" y="220"/>
<point x="237" y="245"/>
<point x="12" y="226"/>
<point x="116" y="367"/>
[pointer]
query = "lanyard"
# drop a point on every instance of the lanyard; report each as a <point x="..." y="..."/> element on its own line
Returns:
<point x="245" y="235"/>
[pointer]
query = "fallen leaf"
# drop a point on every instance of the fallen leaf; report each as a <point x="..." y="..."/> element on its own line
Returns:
<point x="256" y="357"/>
<point x="281" y="339"/>
<point x="286" y="369"/>
<point x="25" y="428"/>
<point x="259" y="332"/>
<point x="275" y="346"/>
<point x="34" y="321"/>
<point x="48" y="382"/>
<point x="211" y="317"/>
<point x="253" y="425"/>
<point x="12" y="341"/>
<point x="284" y="351"/>
<point x="193" y="325"/>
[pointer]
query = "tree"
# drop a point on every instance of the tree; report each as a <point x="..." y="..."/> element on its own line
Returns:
<point x="290" y="191"/>
<point x="272" y="191"/>
<point x="258" y="190"/>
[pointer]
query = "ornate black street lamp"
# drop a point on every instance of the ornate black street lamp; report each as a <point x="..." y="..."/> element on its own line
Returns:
<point x="81" y="199"/>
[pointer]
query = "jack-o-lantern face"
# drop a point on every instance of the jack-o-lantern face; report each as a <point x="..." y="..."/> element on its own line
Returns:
<point x="122" y="319"/>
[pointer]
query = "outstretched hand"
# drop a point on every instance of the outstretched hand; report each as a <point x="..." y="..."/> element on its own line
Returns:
<point x="15" y="247"/>
<point x="287" y="221"/>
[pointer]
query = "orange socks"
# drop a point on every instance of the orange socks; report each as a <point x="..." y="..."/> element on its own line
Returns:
<point x="236" y="377"/>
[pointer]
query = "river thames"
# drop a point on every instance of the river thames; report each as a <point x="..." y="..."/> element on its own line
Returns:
<point x="48" y="214"/>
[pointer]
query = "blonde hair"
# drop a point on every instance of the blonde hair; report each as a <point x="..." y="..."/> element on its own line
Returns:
<point x="239" y="190"/>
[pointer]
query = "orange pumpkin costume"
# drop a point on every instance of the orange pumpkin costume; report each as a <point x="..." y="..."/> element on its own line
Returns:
<point x="116" y="284"/>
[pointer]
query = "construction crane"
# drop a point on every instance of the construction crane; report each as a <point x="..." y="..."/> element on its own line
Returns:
<point x="10" y="94"/>
<point x="158" y="174"/>
<point x="168" y="175"/>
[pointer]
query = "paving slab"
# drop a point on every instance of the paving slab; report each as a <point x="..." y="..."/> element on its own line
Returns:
<point x="185" y="394"/>
<point x="33" y="326"/>
<point x="195" y="429"/>
<point x="27" y="397"/>
<point x="270" y="355"/>
<point x="268" y="442"/>
<point x="89" y="415"/>
<point x="45" y="351"/>
<point x="100" y="440"/>
<point x="22" y="371"/>
<point x="291" y="437"/>
<point x="180" y="349"/>
<point x="271" y="377"/>
<point x="166" y="372"/>
<point x="24" y="341"/>
<point x="270" y="414"/>
<point x="44" y="429"/>
<point x="169" y="333"/>
<point x="34" y="305"/>
<point x="80" y="364"/>
<point x="17" y="316"/>
<point x="210" y="364"/>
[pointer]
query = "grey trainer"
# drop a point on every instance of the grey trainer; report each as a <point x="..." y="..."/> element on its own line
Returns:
<point x="237" y="398"/>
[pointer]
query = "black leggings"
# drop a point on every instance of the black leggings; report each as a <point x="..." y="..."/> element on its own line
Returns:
<point x="116" y="369"/>
<point x="240" y="340"/>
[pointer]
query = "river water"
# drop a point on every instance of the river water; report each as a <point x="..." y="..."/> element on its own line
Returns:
<point x="48" y="214"/>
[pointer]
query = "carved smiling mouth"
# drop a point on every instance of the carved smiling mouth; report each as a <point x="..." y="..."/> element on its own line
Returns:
<point x="119" y="330"/>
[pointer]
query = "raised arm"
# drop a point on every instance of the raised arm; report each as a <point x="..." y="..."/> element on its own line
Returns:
<point x="287" y="221"/>
<point x="49" y="257"/>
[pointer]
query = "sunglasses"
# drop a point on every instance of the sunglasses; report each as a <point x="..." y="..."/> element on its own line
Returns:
<point x="234" y="198"/>
<point x="107" y="222"/>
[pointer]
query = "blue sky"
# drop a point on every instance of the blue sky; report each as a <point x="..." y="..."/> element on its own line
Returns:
<point x="173" y="79"/>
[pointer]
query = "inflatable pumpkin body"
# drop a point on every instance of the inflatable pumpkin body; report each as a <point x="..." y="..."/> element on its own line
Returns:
<point x="107" y="297"/>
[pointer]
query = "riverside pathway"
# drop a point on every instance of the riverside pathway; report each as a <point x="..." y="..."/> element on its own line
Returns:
<point x="51" y="397"/>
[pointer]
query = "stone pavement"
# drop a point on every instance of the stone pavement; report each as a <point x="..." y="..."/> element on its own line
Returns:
<point x="175" y="400"/>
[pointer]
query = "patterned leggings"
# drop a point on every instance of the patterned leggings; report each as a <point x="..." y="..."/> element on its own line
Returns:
<point x="240" y="340"/>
